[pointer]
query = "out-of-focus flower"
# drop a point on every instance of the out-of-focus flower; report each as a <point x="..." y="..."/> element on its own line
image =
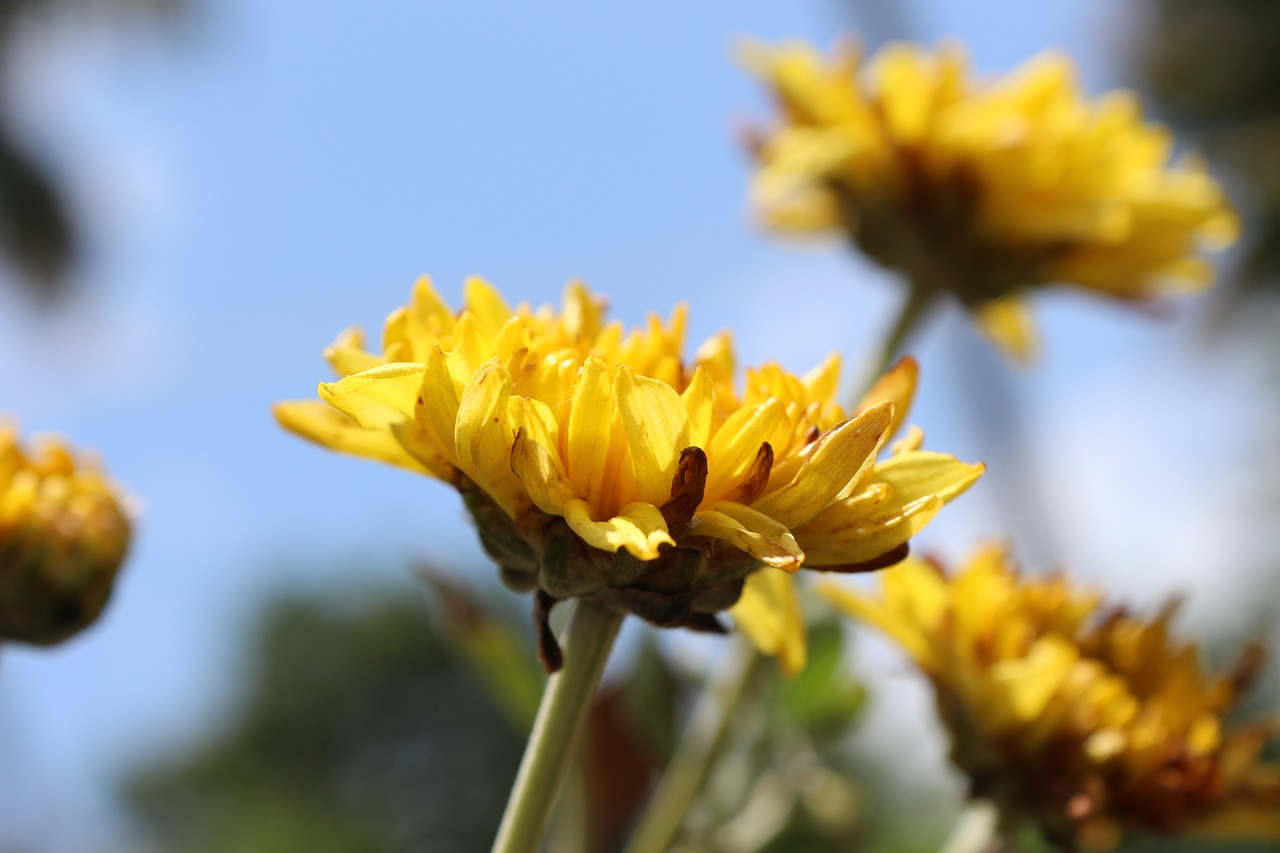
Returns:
<point x="983" y="188"/>
<point x="598" y="464"/>
<point x="769" y="611"/>
<point x="1090" y="723"/>
<point x="63" y="534"/>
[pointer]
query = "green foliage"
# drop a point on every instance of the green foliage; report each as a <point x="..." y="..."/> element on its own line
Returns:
<point x="364" y="731"/>
<point x="824" y="698"/>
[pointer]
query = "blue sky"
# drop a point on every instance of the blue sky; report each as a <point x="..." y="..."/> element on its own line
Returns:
<point x="269" y="176"/>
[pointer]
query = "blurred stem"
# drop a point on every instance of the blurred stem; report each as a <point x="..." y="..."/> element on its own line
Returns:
<point x="557" y="729"/>
<point x="696" y="753"/>
<point x="910" y="315"/>
<point x="976" y="831"/>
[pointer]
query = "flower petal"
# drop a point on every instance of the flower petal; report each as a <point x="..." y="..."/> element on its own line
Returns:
<point x="897" y="385"/>
<point x="699" y="400"/>
<point x="328" y="427"/>
<point x="639" y="528"/>
<point x="915" y="474"/>
<point x="482" y="435"/>
<point x="657" y="427"/>
<point x="590" y="429"/>
<point x="837" y="458"/>
<point x="378" y="397"/>
<point x="753" y="532"/>
<point x="864" y="539"/>
<point x="884" y="618"/>
<point x="734" y="447"/>
<point x="436" y="409"/>
<point x="769" y="614"/>
<point x="535" y="454"/>
<point x="486" y="304"/>
<point x="347" y="355"/>
<point x="1008" y="324"/>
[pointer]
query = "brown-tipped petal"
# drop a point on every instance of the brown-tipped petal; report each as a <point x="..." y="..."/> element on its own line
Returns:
<point x="884" y="561"/>
<point x="757" y="476"/>
<point x="548" y="646"/>
<point x="687" y="488"/>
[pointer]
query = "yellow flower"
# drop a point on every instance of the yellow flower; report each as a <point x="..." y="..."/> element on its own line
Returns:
<point x="598" y="464"/>
<point x="1092" y="724"/>
<point x="63" y="535"/>
<point x="983" y="188"/>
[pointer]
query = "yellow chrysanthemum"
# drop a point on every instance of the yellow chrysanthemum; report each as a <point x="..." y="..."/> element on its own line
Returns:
<point x="1092" y="724"/>
<point x="983" y="188"/>
<point x="598" y="464"/>
<point x="63" y="535"/>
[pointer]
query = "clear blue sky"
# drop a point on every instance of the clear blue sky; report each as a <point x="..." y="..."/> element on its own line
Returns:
<point x="280" y="171"/>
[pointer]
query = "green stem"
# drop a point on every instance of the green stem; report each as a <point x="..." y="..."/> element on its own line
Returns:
<point x="557" y="728"/>
<point x="695" y="754"/>
<point x="912" y="312"/>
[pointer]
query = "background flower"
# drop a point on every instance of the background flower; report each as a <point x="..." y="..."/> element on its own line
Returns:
<point x="64" y="533"/>
<point x="1086" y="721"/>
<point x="982" y="188"/>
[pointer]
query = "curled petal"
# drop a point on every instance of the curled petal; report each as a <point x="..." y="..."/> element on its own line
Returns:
<point x="753" y="532"/>
<point x="378" y="397"/>
<point x="638" y="527"/>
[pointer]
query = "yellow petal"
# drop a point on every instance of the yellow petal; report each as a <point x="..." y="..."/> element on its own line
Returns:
<point x="347" y="355"/>
<point x="734" y="447"/>
<point x="1031" y="682"/>
<point x="915" y="474"/>
<point x="901" y="73"/>
<point x="769" y="614"/>
<point x="436" y="409"/>
<point x="1008" y="324"/>
<point x="537" y="464"/>
<point x="886" y="620"/>
<point x="583" y="314"/>
<point x="864" y="540"/>
<point x="590" y="428"/>
<point x="482" y="434"/>
<point x="657" y="427"/>
<point x="639" y="528"/>
<point x="834" y="460"/>
<point x="486" y="304"/>
<point x="699" y="399"/>
<point x="378" y="397"/>
<point x="750" y="531"/>
<point x="328" y="427"/>
<point x="897" y="385"/>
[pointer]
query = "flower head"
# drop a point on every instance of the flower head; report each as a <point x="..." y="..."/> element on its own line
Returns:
<point x="63" y="535"/>
<point x="983" y="188"/>
<point x="1093" y="724"/>
<point x="598" y="463"/>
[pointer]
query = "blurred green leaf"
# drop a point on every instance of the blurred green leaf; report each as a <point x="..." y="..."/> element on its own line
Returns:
<point x="363" y="730"/>
<point x="824" y="697"/>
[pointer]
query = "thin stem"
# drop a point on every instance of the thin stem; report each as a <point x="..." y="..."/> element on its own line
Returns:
<point x="912" y="312"/>
<point x="557" y="728"/>
<point x="695" y="754"/>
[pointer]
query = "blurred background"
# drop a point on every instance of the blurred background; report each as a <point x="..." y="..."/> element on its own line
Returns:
<point x="197" y="196"/>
